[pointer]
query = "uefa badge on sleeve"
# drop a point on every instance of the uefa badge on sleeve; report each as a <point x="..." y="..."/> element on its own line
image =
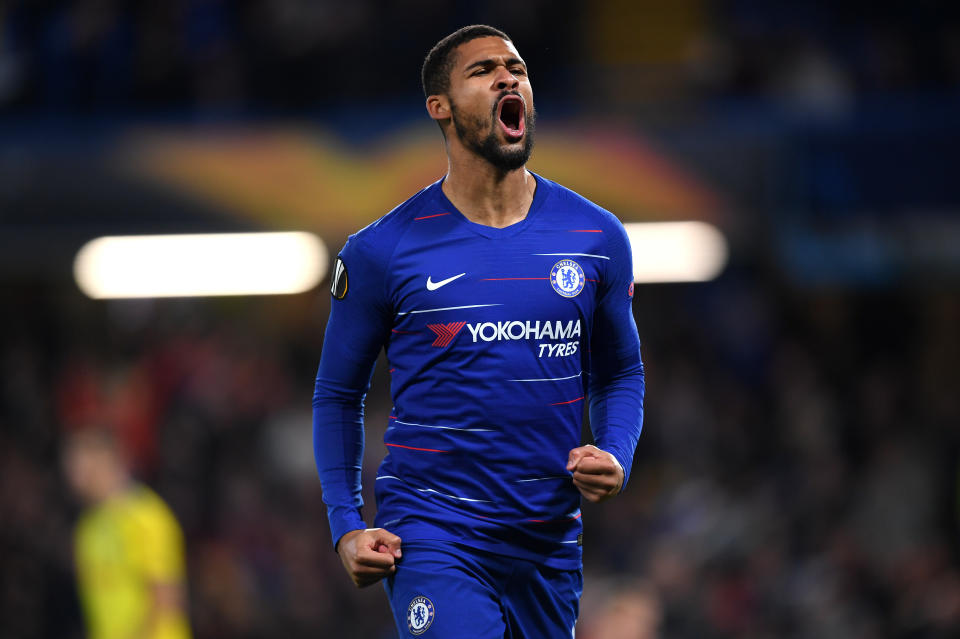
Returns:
<point x="338" y="283"/>
<point x="420" y="614"/>
<point x="566" y="278"/>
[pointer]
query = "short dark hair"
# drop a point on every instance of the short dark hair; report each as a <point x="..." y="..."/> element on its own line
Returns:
<point x="435" y="74"/>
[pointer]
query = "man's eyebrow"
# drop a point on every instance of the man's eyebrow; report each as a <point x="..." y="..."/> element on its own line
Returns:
<point x="489" y="62"/>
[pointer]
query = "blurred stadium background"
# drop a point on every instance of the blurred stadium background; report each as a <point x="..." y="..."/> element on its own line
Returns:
<point x="798" y="471"/>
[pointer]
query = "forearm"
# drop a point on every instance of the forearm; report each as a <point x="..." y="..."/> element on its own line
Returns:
<point x="616" y="412"/>
<point x="338" y="451"/>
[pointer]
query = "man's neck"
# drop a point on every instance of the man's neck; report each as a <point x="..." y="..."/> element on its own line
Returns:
<point x="112" y="484"/>
<point x="486" y="195"/>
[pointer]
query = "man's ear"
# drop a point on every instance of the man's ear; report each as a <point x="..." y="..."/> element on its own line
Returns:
<point x="438" y="107"/>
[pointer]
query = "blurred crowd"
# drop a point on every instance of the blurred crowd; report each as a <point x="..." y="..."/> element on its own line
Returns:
<point x="212" y="404"/>
<point x="269" y="55"/>
<point x="797" y="475"/>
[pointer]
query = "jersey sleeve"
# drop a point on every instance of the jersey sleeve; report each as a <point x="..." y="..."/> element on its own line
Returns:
<point x="616" y="385"/>
<point x="358" y="327"/>
<point x="158" y="535"/>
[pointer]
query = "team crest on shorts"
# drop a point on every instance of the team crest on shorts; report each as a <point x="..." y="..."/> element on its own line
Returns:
<point x="420" y="615"/>
<point x="566" y="278"/>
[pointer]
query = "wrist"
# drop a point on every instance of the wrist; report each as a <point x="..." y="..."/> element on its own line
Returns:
<point x="622" y="465"/>
<point x="347" y="536"/>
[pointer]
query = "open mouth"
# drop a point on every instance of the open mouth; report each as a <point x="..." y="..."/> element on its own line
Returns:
<point x="510" y="113"/>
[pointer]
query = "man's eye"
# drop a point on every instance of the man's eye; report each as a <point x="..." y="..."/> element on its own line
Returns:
<point x="518" y="71"/>
<point x="479" y="72"/>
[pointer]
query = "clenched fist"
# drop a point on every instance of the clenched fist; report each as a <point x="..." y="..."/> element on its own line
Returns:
<point x="369" y="555"/>
<point x="596" y="473"/>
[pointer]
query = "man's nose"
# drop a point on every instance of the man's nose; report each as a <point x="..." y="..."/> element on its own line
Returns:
<point x="505" y="79"/>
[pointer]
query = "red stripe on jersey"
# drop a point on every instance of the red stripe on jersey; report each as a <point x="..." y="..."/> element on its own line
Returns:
<point x="393" y="330"/>
<point x="554" y="521"/>
<point x="567" y="402"/>
<point x="427" y="217"/>
<point x="586" y="231"/>
<point x="428" y="450"/>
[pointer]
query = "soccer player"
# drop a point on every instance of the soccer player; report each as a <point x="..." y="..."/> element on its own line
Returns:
<point x="128" y="547"/>
<point x="503" y="301"/>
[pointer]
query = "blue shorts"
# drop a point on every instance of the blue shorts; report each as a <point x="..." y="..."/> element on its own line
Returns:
<point x="449" y="591"/>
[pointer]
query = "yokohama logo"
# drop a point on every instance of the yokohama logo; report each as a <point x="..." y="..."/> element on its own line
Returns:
<point x="445" y="332"/>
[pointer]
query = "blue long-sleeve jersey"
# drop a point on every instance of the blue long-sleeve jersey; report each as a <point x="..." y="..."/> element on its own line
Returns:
<point x="495" y="338"/>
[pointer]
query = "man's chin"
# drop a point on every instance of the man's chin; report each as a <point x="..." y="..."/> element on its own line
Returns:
<point x="505" y="153"/>
<point x="509" y="160"/>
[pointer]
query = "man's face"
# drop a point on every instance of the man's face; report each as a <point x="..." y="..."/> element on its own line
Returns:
<point x="87" y="463"/>
<point x="491" y="102"/>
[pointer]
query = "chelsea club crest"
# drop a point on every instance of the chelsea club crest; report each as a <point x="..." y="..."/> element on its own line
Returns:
<point x="566" y="278"/>
<point x="420" y="614"/>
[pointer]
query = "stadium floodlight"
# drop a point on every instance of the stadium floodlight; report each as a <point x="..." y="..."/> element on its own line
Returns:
<point x="196" y="265"/>
<point x="676" y="251"/>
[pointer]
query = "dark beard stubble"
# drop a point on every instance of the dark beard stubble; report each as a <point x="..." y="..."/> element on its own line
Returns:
<point x="489" y="147"/>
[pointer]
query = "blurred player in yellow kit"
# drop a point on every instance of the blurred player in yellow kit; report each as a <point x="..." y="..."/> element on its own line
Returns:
<point x="128" y="545"/>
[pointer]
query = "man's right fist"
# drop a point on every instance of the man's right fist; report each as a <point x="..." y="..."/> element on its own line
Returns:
<point x="369" y="555"/>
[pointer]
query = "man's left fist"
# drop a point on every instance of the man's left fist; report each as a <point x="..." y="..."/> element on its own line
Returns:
<point x="596" y="473"/>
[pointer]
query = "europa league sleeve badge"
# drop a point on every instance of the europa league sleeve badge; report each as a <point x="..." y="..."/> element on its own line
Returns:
<point x="338" y="288"/>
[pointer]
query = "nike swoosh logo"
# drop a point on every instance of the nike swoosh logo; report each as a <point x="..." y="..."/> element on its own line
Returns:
<point x="432" y="286"/>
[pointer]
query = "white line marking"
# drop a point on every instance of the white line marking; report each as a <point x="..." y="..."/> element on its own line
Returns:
<point x="481" y="430"/>
<point x="546" y="379"/>
<point x="447" y="308"/>
<point x="602" y="257"/>
<point x="521" y="481"/>
<point x="436" y="492"/>
<point x="572" y="541"/>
